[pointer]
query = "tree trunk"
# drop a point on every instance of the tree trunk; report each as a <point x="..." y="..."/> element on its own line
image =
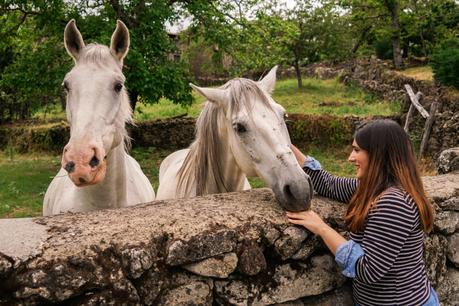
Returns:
<point x="133" y="95"/>
<point x="394" y="9"/>
<point x="298" y="74"/>
<point x="362" y="36"/>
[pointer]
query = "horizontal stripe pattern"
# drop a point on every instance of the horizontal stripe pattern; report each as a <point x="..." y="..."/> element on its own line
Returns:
<point x="392" y="269"/>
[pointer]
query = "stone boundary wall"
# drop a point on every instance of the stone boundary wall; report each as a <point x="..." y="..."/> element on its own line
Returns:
<point x="377" y="77"/>
<point x="371" y="74"/>
<point x="222" y="249"/>
<point x="174" y="134"/>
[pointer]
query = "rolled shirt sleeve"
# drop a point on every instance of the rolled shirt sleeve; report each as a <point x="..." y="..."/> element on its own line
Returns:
<point x="347" y="255"/>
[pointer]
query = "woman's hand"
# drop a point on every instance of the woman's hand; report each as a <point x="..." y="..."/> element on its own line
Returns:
<point x="315" y="224"/>
<point x="308" y="219"/>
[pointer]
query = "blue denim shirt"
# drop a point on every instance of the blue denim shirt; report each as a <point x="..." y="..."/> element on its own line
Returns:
<point x="312" y="163"/>
<point x="347" y="255"/>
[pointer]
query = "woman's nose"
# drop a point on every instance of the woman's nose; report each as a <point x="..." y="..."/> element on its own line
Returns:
<point x="351" y="157"/>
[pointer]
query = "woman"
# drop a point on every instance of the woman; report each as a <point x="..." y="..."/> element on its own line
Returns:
<point x="387" y="216"/>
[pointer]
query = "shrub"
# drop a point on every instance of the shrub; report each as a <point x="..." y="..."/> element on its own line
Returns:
<point x="445" y="63"/>
<point x="383" y="48"/>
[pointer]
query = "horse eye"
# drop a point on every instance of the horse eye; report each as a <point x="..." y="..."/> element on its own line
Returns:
<point x="239" y="128"/>
<point x="118" y="87"/>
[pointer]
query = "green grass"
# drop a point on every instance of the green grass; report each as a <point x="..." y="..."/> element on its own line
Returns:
<point x="23" y="183"/>
<point x="420" y="73"/>
<point x="316" y="97"/>
<point x="330" y="97"/>
<point x="25" y="178"/>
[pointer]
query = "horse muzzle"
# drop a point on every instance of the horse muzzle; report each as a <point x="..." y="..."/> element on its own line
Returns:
<point x="85" y="175"/>
<point x="294" y="195"/>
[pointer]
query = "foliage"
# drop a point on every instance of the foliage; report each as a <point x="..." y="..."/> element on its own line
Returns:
<point x="226" y="38"/>
<point x="422" y="24"/>
<point x="426" y="23"/>
<point x="32" y="66"/>
<point x="445" y="63"/>
<point x="34" y="60"/>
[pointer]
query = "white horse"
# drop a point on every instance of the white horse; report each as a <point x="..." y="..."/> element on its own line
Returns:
<point x="96" y="172"/>
<point x="241" y="131"/>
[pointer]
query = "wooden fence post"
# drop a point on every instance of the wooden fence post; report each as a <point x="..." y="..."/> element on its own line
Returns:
<point x="428" y="128"/>
<point x="429" y="117"/>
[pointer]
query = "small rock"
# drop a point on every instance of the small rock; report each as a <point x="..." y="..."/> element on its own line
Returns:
<point x="448" y="292"/>
<point x="447" y="222"/>
<point x="448" y="161"/>
<point x="200" y="247"/>
<point x="251" y="259"/>
<point x="136" y="261"/>
<point x="435" y="258"/>
<point x="290" y="242"/>
<point x="219" y="266"/>
<point x="453" y="249"/>
<point x="197" y="293"/>
<point x="450" y="204"/>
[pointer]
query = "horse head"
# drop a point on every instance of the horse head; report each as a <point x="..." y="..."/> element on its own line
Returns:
<point x="259" y="139"/>
<point x="97" y="103"/>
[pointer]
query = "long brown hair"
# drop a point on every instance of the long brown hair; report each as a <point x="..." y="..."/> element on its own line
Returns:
<point x="391" y="163"/>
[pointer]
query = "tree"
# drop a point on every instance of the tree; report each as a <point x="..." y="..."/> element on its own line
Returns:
<point x="271" y="34"/>
<point x="426" y="23"/>
<point x="373" y="20"/>
<point x="410" y="25"/>
<point x="35" y="60"/>
<point x="33" y="67"/>
<point x="304" y="34"/>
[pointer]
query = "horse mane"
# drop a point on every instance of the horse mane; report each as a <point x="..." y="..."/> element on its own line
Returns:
<point x="202" y="166"/>
<point x="100" y="56"/>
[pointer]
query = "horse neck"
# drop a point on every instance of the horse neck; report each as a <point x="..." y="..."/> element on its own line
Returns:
<point x="111" y="192"/>
<point x="224" y="166"/>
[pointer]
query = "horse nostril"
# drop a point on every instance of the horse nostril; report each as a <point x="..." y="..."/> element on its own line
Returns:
<point x="94" y="162"/>
<point x="288" y="193"/>
<point x="70" y="167"/>
<point x="82" y="180"/>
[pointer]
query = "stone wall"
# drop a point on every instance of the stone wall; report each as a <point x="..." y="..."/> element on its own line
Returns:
<point x="224" y="249"/>
<point x="174" y="134"/>
<point x="376" y="76"/>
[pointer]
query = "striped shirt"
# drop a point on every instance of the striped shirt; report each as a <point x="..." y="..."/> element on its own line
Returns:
<point x="392" y="270"/>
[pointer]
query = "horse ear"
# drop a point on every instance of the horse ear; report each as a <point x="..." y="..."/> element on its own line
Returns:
<point x="216" y="95"/>
<point x="73" y="40"/>
<point x="269" y="81"/>
<point x="120" y="41"/>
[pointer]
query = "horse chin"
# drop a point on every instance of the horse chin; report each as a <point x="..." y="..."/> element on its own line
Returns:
<point x="294" y="207"/>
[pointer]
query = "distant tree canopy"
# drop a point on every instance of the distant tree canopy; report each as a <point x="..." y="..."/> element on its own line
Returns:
<point x="225" y="38"/>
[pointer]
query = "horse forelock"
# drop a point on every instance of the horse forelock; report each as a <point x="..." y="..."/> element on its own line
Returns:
<point x="100" y="56"/>
<point x="203" y="160"/>
<point x="96" y="54"/>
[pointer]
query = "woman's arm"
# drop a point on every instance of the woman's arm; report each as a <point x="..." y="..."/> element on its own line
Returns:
<point x="338" y="188"/>
<point x="347" y="252"/>
<point x="315" y="224"/>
